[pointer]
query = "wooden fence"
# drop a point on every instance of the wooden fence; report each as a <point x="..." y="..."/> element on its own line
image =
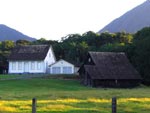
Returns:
<point x="34" y="105"/>
<point x="114" y="105"/>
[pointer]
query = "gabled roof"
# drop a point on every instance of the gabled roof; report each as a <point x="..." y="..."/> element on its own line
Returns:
<point x="29" y="52"/>
<point x="111" y="65"/>
<point x="60" y="61"/>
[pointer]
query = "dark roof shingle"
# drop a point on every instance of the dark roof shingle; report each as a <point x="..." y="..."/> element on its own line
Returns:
<point x="111" y="65"/>
<point x="29" y="52"/>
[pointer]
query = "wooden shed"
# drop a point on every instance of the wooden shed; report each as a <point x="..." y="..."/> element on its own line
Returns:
<point x="108" y="69"/>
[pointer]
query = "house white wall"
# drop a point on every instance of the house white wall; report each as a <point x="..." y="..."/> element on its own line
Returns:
<point x="62" y="67"/>
<point x="26" y="67"/>
<point x="33" y="66"/>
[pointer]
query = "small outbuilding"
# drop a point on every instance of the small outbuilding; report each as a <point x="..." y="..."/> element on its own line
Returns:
<point x="108" y="69"/>
<point x="62" y="67"/>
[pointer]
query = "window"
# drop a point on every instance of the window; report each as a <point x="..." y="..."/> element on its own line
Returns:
<point x="13" y="65"/>
<point x="39" y="65"/>
<point x="19" y="65"/>
<point x="67" y="70"/>
<point x="56" y="70"/>
<point x="89" y="60"/>
<point x="32" y="65"/>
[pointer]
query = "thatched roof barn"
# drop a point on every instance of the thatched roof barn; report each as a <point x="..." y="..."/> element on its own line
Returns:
<point x="108" y="69"/>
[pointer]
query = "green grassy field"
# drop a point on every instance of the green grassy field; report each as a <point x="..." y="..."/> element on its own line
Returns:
<point x="68" y="96"/>
<point x="8" y="76"/>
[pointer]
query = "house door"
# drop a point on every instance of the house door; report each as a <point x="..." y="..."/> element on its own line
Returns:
<point x="67" y="70"/>
<point x="56" y="70"/>
<point x="26" y="67"/>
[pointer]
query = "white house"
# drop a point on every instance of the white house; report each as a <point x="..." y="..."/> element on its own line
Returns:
<point x="31" y="59"/>
<point x="62" y="67"/>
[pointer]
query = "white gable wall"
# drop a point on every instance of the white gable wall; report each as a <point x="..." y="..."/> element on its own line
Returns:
<point x="62" y="67"/>
<point x="49" y="59"/>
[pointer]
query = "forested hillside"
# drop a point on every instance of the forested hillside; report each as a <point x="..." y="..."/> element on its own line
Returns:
<point x="74" y="48"/>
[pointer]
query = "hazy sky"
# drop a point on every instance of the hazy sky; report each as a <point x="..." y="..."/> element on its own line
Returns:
<point x="53" y="19"/>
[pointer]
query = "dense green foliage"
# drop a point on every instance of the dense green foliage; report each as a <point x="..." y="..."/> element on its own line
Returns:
<point x="74" y="47"/>
<point x="141" y="53"/>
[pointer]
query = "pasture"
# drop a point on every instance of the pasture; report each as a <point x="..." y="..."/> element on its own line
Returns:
<point x="69" y="96"/>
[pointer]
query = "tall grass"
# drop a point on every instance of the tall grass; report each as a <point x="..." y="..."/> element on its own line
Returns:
<point x="69" y="96"/>
<point x="91" y="105"/>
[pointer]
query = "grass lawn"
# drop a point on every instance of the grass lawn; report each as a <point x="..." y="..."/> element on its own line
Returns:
<point x="68" y="96"/>
<point x="8" y="76"/>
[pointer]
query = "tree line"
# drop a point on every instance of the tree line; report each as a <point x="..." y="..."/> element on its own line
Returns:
<point x="74" y="48"/>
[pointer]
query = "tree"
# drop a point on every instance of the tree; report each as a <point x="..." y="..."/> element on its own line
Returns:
<point x="22" y="42"/>
<point x="141" y="53"/>
<point x="124" y="37"/>
<point x="83" y="50"/>
<point x="40" y="41"/>
<point x="143" y="33"/>
<point x="7" y="45"/>
<point x="44" y="41"/>
<point x="0" y="45"/>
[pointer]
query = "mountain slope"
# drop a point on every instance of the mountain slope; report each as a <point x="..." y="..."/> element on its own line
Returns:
<point x="132" y="21"/>
<point x="7" y="33"/>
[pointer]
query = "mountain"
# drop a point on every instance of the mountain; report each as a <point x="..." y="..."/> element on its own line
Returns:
<point x="7" y="33"/>
<point x="132" y="21"/>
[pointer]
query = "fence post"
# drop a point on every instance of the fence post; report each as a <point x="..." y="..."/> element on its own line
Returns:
<point x="114" y="105"/>
<point x="34" y="105"/>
